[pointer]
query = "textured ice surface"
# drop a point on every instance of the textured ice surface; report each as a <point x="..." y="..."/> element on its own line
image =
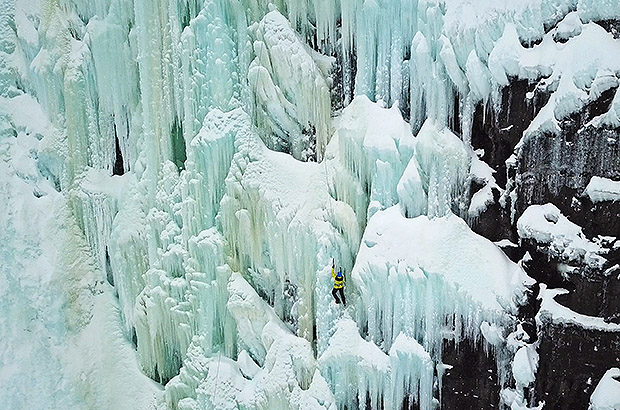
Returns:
<point x="290" y="90"/>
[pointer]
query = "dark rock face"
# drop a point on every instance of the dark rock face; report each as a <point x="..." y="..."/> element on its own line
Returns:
<point x="601" y="218"/>
<point x="497" y="130"/>
<point x="118" y="168"/>
<point x="471" y="383"/>
<point x="601" y="295"/>
<point x="571" y="362"/>
<point x="557" y="168"/>
<point x="553" y="169"/>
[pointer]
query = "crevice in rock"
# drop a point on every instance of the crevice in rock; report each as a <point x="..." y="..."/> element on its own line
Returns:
<point x="118" y="168"/>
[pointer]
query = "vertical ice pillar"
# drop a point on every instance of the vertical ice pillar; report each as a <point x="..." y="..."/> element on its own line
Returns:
<point x="375" y="145"/>
<point x="443" y="165"/>
<point x="209" y="158"/>
<point x="208" y="293"/>
<point x="64" y="71"/>
<point x="128" y="253"/>
<point x="382" y="50"/>
<point x="157" y="83"/>
<point x="116" y="73"/>
<point x="412" y="373"/>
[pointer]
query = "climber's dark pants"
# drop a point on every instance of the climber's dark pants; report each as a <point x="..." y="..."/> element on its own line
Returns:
<point x="340" y="291"/>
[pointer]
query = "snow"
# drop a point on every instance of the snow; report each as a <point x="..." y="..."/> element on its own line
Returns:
<point x="606" y="396"/>
<point x="482" y="173"/>
<point x="569" y="27"/>
<point x="546" y="225"/>
<point x="564" y="315"/>
<point x="247" y="365"/>
<point x="26" y="114"/>
<point x="603" y="189"/>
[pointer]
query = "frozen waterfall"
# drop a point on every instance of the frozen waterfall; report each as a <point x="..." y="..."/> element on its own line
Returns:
<point x="177" y="177"/>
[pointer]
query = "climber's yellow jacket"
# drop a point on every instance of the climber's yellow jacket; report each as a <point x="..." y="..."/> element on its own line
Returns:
<point x="338" y="279"/>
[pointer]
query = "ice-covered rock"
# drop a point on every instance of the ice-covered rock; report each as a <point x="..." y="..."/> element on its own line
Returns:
<point x="524" y="365"/>
<point x="482" y="174"/>
<point x="561" y="314"/>
<point x="603" y="189"/>
<point x="546" y="225"/>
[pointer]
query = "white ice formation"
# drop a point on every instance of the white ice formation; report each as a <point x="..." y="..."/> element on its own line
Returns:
<point x="191" y="154"/>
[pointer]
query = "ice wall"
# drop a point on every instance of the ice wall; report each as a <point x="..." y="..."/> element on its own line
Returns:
<point x="62" y="342"/>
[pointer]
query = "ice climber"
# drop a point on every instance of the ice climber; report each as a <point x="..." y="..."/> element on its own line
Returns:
<point x="338" y="286"/>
